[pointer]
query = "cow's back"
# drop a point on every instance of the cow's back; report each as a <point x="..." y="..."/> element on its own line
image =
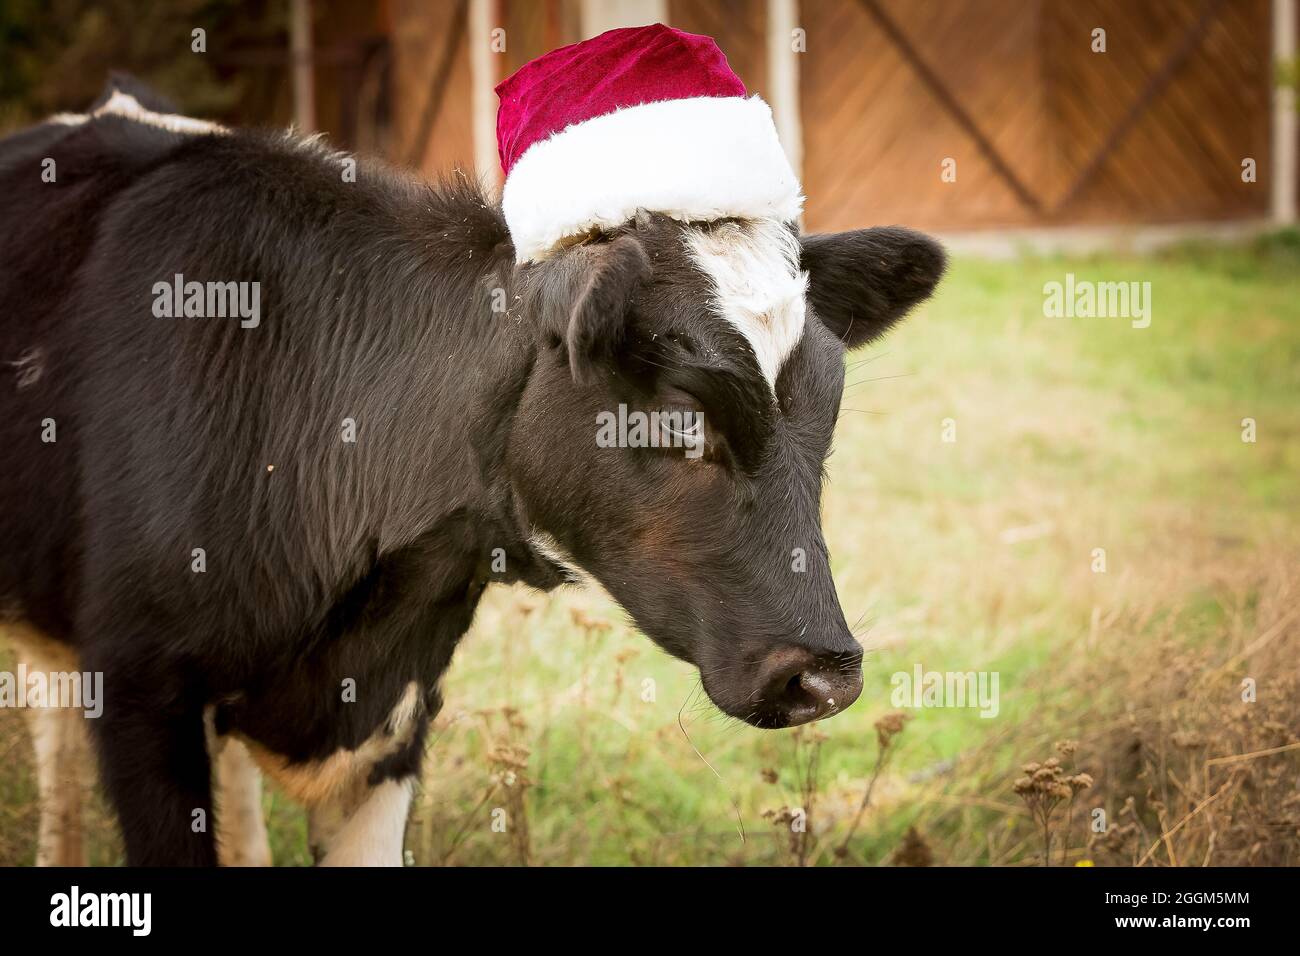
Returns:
<point x="176" y="433"/>
<point x="56" y="181"/>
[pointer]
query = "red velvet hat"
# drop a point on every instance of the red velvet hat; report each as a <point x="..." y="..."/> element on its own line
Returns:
<point x="639" y="118"/>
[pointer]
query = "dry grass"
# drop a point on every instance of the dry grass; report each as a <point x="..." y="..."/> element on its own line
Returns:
<point x="1184" y="769"/>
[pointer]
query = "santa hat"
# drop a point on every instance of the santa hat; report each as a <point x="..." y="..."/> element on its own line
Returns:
<point x="639" y="118"/>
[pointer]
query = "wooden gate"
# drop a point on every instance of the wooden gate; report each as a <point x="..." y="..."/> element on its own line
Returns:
<point x="1042" y="129"/>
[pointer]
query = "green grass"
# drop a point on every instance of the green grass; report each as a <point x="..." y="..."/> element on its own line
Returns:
<point x="1083" y="433"/>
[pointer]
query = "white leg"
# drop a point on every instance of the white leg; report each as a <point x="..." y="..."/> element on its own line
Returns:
<point x="372" y="834"/>
<point x="237" y="801"/>
<point x="64" y="764"/>
<point x="325" y="820"/>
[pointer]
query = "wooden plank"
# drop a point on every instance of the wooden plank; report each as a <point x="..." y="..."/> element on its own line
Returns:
<point x="1188" y="43"/>
<point x="951" y="103"/>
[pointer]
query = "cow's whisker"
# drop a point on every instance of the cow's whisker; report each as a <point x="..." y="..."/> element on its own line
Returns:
<point x="866" y="361"/>
<point x="882" y="378"/>
<point x="740" y="824"/>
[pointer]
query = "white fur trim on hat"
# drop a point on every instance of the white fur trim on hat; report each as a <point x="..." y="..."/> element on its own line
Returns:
<point x="692" y="159"/>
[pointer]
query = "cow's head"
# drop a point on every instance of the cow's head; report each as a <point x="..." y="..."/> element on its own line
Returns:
<point x="715" y="549"/>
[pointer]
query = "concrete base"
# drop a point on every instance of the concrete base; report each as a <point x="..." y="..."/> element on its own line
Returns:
<point x="1083" y="240"/>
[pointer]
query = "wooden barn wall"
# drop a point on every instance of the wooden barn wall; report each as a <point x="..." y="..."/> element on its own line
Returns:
<point x="1039" y="109"/>
<point x="430" y="81"/>
<point x="348" y="60"/>
<point x="1043" y="130"/>
<point x="422" y="34"/>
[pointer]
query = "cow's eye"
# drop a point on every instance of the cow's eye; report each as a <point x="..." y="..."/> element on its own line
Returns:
<point x="682" y="422"/>
<point x="674" y="397"/>
<point x="680" y="409"/>
<point x="687" y="428"/>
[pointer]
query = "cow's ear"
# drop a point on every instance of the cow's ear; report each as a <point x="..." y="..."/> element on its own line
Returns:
<point x="862" y="282"/>
<point x="586" y="294"/>
<point x="598" y="323"/>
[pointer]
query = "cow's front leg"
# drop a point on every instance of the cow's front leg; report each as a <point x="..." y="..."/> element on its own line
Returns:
<point x="154" y="763"/>
<point x="358" y="795"/>
<point x="364" y="827"/>
<point x="361" y="820"/>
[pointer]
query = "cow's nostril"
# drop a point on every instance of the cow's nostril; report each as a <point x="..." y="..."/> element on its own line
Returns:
<point x="818" y="686"/>
<point x="803" y="687"/>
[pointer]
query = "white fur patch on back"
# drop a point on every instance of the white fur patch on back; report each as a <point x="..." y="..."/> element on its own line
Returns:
<point x="759" y="287"/>
<point x="123" y="104"/>
<point x="128" y="107"/>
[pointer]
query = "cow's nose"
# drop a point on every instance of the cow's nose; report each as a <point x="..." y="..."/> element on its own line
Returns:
<point x="800" y="686"/>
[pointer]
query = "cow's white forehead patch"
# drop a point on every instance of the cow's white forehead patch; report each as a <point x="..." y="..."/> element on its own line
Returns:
<point x="758" y="285"/>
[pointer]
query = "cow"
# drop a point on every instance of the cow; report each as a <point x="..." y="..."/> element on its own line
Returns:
<point x="268" y="536"/>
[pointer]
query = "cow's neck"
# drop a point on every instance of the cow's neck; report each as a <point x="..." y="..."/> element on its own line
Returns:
<point x="479" y="359"/>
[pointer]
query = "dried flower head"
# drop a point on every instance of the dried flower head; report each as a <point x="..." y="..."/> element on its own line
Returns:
<point x="890" y="726"/>
<point x="913" y="851"/>
<point x="1044" y="787"/>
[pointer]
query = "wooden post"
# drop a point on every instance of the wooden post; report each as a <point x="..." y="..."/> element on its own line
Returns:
<point x="483" y="80"/>
<point x="304" y="91"/>
<point x="783" y="78"/>
<point x="1285" y="169"/>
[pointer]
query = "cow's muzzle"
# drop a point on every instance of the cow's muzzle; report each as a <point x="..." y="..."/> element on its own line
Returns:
<point x="797" y="685"/>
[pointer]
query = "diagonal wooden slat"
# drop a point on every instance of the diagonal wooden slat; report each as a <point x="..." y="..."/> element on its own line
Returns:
<point x="940" y="90"/>
<point x="1187" y="45"/>
<point x="875" y="135"/>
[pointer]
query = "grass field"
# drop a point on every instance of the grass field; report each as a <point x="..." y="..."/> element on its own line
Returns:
<point x="976" y="554"/>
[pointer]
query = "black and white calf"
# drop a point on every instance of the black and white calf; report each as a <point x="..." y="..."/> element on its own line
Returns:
<point x="183" y="508"/>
